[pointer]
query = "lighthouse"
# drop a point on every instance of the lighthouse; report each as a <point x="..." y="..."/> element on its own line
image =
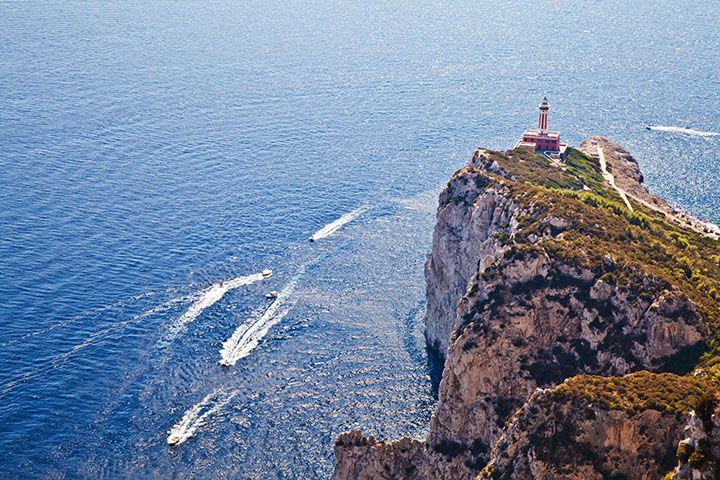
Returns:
<point x="543" y="118"/>
<point x="542" y="140"/>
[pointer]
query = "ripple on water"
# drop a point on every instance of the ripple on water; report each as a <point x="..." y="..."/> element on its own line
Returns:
<point x="135" y="178"/>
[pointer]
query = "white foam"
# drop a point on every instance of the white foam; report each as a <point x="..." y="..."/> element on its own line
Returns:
<point x="686" y="131"/>
<point x="208" y="298"/>
<point x="333" y="227"/>
<point x="248" y="335"/>
<point x="195" y="417"/>
<point x="426" y="202"/>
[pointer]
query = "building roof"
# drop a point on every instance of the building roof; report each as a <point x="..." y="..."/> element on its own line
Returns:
<point x="539" y="134"/>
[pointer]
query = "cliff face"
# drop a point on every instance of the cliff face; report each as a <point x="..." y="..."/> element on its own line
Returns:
<point x="565" y="321"/>
<point x="538" y="273"/>
<point x="465" y="242"/>
<point x="587" y="429"/>
<point x="596" y="444"/>
<point x="470" y="217"/>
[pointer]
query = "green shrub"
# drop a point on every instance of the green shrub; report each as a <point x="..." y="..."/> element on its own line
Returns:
<point x="696" y="459"/>
<point x="684" y="451"/>
<point x="637" y="391"/>
<point x="705" y="407"/>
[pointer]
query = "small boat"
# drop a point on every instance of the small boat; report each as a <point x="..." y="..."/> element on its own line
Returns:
<point x="173" y="439"/>
<point x="267" y="272"/>
<point x="224" y="362"/>
<point x="272" y="294"/>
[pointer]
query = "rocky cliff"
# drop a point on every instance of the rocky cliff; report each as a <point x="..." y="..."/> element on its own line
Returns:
<point x="540" y="280"/>
<point x="587" y="428"/>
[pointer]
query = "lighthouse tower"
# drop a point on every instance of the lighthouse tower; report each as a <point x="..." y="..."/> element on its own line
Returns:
<point x="542" y="140"/>
<point x="543" y="118"/>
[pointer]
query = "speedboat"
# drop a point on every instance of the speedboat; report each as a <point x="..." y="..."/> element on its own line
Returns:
<point x="272" y="294"/>
<point x="173" y="439"/>
<point x="266" y="273"/>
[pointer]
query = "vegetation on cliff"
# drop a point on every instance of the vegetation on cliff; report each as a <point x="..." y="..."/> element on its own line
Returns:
<point x="638" y="391"/>
<point x="597" y="226"/>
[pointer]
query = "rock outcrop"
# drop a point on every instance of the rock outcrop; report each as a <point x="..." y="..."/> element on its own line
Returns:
<point x="698" y="452"/>
<point x="538" y="275"/>
<point x="587" y="429"/>
<point x="580" y="441"/>
<point x="364" y="458"/>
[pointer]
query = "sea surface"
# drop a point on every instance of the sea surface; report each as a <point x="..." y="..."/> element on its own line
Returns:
<point x="156" y="157"/>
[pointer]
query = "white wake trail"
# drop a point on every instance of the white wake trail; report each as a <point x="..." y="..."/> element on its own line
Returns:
<point x="59" y="359"/>
<point x="208" y="298"/>
<point x="195" y="417"/>
<point x="686" y="131"/>
<point x="248" y="335"/>
<point x="333" y="227"/>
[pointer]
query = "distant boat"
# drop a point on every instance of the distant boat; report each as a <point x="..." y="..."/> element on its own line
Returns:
<point x="272" y="294"/>
<point x="683" y="130"/>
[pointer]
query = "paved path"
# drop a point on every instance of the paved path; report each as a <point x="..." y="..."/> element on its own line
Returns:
<point x="668" y="215"/>
<point x="611" y="179"/>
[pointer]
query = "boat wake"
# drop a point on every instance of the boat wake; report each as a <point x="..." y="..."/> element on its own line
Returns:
<point x="333" y="227"/>
<point x="195" y="417"/>
<point x="686" y="131"/>
<point x="248" y="335"/>
<point x="110" y="331"/>
<point x="425" y="202"/>
<point x="93" y="313"/>
<point x="208" y="298"/>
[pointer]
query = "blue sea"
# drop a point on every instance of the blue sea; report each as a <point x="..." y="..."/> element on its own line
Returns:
<point x="157" y="157"/>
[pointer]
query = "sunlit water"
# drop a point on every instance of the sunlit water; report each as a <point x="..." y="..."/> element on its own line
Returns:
<point x="150" y="151"/>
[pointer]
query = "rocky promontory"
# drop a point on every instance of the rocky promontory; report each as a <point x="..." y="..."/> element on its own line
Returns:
<point x="579" y="335"/>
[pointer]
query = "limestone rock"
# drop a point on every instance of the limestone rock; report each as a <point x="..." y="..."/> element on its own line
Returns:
<point x="363" y="458"/>
<point x="574" y="439"/>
